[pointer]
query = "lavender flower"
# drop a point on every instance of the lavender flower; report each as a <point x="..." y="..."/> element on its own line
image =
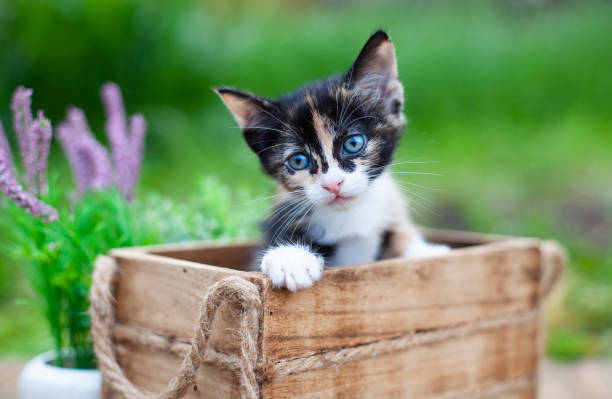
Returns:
<point x="127" y="148"/>
<point x="40" y="132"/>
<point x="11" y="187"/>
<point x="138" y="128"/>
<point x="4" y="146"/>
<point x="22" y="119"/>
<point x="33" y="138"/>
<point x="89" y="160"/>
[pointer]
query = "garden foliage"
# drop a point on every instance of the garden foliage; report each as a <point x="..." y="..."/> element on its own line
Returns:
<point x="59" y="235"/>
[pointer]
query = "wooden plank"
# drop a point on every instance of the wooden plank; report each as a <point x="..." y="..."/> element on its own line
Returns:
<point x="200" y="251"/>
<point x="234" y="255"/>
<point x="457" y="239"/>
<point x="151" y="370"/>
<point x="163" y="295"/>
<point x="351" y="306"/>
<point x="444" y="369"/>
<point x="239" y="254"/>
<point x="361" y="304"/>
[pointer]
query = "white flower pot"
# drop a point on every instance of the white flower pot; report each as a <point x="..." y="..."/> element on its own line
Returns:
<point x="40" y="379"/>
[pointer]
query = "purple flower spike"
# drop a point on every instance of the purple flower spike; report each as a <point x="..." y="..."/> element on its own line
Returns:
<point x="44" y="134"/>
<point x="22" y="119"/>
<point x="39" y="133"/>
<point x="134" y="155"/>
<point x="6" y="148"/>
<point x="11" y="187"/>
<point x="90" y="162"/>
<point x="127" y="147"/>
<point x="115" y="122"/>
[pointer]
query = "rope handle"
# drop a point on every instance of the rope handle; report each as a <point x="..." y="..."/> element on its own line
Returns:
<point x="235" y="291"/>
<point x="554" y="259"/>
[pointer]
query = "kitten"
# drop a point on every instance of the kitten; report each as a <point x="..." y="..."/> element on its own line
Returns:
<point x="328" y="146"/>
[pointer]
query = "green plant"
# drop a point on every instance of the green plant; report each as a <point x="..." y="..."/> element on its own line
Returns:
<point x="212" y="211"/>
<point x="60" y="256"/>
<point x="59" y="236"/>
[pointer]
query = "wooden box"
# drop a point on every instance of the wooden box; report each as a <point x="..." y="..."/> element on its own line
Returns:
<point x="461" y="325"/>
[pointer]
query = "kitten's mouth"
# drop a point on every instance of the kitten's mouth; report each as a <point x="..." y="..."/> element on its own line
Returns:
<point x="340" y="200"/>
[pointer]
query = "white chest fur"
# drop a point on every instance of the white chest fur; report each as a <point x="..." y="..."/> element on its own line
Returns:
<point x="356" y="231"/>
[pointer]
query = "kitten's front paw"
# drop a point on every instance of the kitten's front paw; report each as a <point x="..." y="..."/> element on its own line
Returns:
<point x="292" y="266"/>
<point x="424" y="249"/>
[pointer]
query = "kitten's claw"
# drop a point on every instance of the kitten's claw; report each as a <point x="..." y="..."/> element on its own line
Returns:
<point x="423" y="249"/>
<point x="292" y="266"/>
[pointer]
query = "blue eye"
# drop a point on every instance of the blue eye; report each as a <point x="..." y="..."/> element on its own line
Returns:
<point x="354" y="144"/>
<point x="298" y="162"/>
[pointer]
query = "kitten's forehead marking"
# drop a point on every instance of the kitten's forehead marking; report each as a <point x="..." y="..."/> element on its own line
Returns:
<point x="321" y="127"/>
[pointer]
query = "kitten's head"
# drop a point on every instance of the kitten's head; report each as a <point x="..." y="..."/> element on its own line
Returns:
<point x="331" y="139"/>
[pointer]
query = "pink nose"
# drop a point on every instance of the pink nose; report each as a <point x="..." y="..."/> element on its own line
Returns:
<point x="333" y="186"/>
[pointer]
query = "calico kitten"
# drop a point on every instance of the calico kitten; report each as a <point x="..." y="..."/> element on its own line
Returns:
<point x="328" y="146"/>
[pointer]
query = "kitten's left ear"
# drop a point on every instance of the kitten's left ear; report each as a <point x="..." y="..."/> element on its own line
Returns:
<point x="244" y="106"/>
<point x="374" y="72"/>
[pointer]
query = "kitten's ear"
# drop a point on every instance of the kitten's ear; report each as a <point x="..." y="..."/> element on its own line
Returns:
<point x="244" y="106"/>
<point x="374" y="72"/>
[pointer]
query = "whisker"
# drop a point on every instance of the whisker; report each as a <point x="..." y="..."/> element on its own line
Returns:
<point x="356" y="108"/>
<point x="336" y="103"/>
<point x="417" y="203"/>
<point x="414" y="210"/>
<point x="407" y="190"/>
<point x="401" y="182"/>
<point x="343" y="110"/>
<point x="286" y="225"/>
<point x="417" y="173"/>
<point x="267" y="148"/>
<point x="263" y="128"/>
<point x="362" y="117"/>
<point x="309" y="223"/>
<point x="378" y="168"/>
<point x="284" y="207"/>
<point x="257" y="199"/>
<point x="281" y="122"/>
<point x="413" y="162"/>
<point x="298" y="223"/>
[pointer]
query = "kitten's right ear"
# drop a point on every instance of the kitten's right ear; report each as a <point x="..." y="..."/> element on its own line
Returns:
<point x="244" y="106"/>
<point x="374" y="72"/>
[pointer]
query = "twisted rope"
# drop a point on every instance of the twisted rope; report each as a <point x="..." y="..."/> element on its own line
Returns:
<point x="235" y="291"/>
<point x="394" y="345"/>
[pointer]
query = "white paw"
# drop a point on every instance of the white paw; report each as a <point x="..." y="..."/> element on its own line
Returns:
<point x="423" y="249"/>
<point x="292" y="266"/>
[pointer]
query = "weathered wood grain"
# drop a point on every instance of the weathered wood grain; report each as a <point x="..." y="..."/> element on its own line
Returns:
<point x="458" y="239"/>
<point x="361" y="304"/>
<point x="350" y="306"/>
<point x="234" y="255"/>
<point x="159" y="289"/>
<point x="163" y="294"/>
<point x="434" y="371"/>
<point x="151" y="370"/>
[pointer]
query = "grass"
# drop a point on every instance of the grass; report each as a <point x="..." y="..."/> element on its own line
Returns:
<point x="513" y="101"/>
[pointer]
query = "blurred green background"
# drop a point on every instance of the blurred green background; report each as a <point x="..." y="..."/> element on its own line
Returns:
<point x="513" y="98"/>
